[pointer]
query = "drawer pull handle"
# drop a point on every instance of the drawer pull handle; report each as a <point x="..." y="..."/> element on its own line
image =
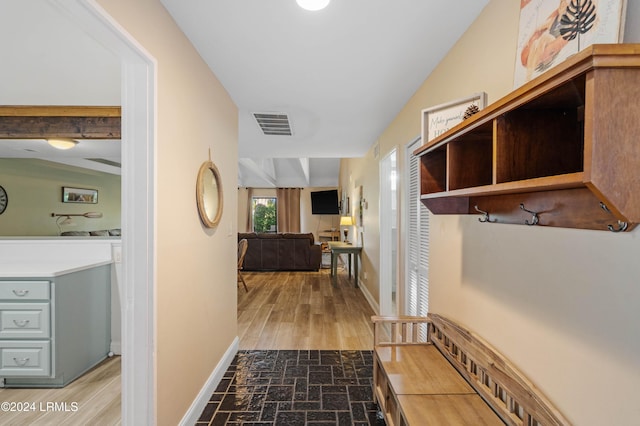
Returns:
<point x="21" y="323"/>
<point x="20" y="293"/>
<point x="21" y="361"/>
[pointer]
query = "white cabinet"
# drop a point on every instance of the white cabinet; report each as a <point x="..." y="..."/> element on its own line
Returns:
<point x="53" y="330"/>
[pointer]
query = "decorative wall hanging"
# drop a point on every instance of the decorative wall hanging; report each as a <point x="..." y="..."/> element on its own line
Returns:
<point x="552" y="30"/>
<point x="438" y="119"/>
<point x="79" y="195"/>
<point x="209" y="194"/>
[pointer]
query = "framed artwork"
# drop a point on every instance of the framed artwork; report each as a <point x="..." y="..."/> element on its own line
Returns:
<point x="552" y="30"/>
<point x="79" y="195"/>
<point x="360" y="212"/>
<point x="344" y="204"/>
<point x="438" y="119"/>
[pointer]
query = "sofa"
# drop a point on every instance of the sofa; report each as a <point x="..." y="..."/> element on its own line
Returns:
<point x="116" y="232"/>
<point x="281" y="252"/>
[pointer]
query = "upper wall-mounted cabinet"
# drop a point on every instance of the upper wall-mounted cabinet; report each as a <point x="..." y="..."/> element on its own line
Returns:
<point x="563" y="150"/>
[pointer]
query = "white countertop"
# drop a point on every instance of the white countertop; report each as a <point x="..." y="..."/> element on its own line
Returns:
<point x="46" y="269"/>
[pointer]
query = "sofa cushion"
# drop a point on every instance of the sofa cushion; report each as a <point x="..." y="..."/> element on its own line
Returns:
<point x="269" y="236"/>
<point x="298" y="236"/>
<point x="246" y="235"/>
<point x="75" y="234"/>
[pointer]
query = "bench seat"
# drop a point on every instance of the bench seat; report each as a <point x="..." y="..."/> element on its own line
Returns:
<point x="450" y="410"/>
<point x="420" y="369"/>
<point x="431" y="371"/>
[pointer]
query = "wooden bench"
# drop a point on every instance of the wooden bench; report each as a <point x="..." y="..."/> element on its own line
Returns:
<point x="430" y="371"/>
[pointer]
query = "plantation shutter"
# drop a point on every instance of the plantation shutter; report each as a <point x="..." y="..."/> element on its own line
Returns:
<point x="417" y="290"/>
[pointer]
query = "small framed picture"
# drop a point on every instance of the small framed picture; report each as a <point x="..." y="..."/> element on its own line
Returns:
<point x="79" y="195"/>
<point x="438" y="119"/>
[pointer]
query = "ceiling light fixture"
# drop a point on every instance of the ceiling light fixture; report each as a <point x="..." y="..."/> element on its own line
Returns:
<point x="313" y="4"/>
<point x="60" y="143"/>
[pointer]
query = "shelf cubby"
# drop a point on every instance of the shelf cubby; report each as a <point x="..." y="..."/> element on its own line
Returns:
<point x="433" y="172"/>
<point x="470" y="159"/>
<point x="564" y="145"/>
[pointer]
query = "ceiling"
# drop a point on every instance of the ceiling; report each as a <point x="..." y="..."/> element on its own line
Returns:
<point x="341" y="75"/>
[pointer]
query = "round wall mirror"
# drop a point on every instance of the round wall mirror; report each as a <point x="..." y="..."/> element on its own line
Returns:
<point x="209" y="194"/>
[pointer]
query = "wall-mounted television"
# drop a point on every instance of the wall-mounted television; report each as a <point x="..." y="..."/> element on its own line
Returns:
<point x="325" y="202"/>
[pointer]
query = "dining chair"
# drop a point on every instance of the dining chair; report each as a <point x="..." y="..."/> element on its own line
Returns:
<point x="242" y="250"/>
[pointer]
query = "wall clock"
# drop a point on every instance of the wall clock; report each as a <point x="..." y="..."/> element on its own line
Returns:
<point x="4" y="200"/>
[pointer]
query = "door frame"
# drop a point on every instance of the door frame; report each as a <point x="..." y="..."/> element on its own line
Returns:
<point x="138" y="102"/>
<point x="386" y="269"/>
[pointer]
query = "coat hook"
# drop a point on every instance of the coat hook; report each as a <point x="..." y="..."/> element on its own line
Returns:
<point x="485" y="216"/>
<point x="534" y="219"/>
<point x="622" y="226"/>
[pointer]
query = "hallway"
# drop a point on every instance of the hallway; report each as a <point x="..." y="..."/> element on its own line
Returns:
<point x="305" y="355"/>
<point x="303" y="310"/>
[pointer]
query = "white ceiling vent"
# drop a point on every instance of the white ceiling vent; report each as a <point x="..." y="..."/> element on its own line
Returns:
<point x="273" y="123"/>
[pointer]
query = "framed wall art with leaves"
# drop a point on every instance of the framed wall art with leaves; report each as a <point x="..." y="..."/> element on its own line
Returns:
<point x="552" y="30"/>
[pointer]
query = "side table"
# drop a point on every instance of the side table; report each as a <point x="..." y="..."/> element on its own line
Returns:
<point x="337" y="248"/>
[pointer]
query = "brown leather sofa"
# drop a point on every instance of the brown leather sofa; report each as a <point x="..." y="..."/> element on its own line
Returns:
<point x="281" y="252"/>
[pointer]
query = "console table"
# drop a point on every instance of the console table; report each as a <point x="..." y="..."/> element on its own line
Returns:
<point x="337" y="248"/>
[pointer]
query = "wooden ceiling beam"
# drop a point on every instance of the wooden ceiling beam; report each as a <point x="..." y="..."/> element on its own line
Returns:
<point x="75" y="122"/>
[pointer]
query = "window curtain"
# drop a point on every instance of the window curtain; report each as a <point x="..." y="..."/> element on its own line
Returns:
<point x="288" y="209"/>
<point x="249" y="209"/>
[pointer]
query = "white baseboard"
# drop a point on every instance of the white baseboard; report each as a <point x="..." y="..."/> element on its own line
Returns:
<point x="193" y="414"/>
<point x="375" y="306"/>
<point x="116" y="347"/>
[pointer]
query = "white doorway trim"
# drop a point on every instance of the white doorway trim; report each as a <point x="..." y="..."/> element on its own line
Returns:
<point x="388" y="222"/>
<point x="138" y="206"/>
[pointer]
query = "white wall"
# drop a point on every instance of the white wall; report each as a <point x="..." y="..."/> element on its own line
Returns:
<point x="562" y="304"/>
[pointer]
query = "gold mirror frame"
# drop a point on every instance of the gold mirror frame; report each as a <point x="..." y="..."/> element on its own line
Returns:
<point x="209" y="194"/>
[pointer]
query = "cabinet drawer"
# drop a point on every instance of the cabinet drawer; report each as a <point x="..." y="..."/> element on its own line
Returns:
<point x="24" y="320"/>
<point x="24" y="290"/>
<point x="25" y="359"/>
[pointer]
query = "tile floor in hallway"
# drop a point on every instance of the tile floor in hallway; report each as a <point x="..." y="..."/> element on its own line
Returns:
<point x="295" y="387"/>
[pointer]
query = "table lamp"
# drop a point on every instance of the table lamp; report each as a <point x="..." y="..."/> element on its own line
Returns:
<point x="346" y="221"/>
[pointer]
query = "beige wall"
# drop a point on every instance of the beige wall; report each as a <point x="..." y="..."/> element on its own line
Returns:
<point x="34" y="189"/>
<point x="562" y="304"/>
<point x="196" y="277"/>
<point x="356" y="173"/>
<point x="308" y="222"/>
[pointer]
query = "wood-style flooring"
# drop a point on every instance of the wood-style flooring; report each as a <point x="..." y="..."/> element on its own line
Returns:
<point x="303" y="310"/>
<point x="282" y="310"/>
<point x="93" y="399"/>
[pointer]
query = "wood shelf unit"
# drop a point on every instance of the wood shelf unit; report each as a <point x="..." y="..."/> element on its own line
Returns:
<point x="564" y="145"/>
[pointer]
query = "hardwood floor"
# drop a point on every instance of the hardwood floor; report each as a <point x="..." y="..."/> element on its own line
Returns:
<point x="303" y="310"/>
<point x="93" y="399"/>
<point x="282" y="310"/>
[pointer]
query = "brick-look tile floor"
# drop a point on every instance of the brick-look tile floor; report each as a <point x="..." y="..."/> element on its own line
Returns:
<point x="297" y="387"/>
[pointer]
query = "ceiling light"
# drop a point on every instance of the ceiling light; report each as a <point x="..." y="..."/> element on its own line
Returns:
<point x="62" y="143"/>
<point x="313" y="4"/>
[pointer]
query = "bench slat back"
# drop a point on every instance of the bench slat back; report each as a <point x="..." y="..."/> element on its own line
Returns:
<point x="516" y="400"/>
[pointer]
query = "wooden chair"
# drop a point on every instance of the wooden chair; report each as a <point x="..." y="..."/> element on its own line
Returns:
<point x="242" y="250"/>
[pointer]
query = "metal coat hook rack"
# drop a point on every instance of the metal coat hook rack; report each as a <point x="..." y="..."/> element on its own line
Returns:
<point x="485" y="216"/>
<point x="534" y="220"/>
<point x="622" y="226"/>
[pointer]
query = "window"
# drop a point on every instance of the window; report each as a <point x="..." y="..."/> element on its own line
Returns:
<point x="265" y="216"/>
